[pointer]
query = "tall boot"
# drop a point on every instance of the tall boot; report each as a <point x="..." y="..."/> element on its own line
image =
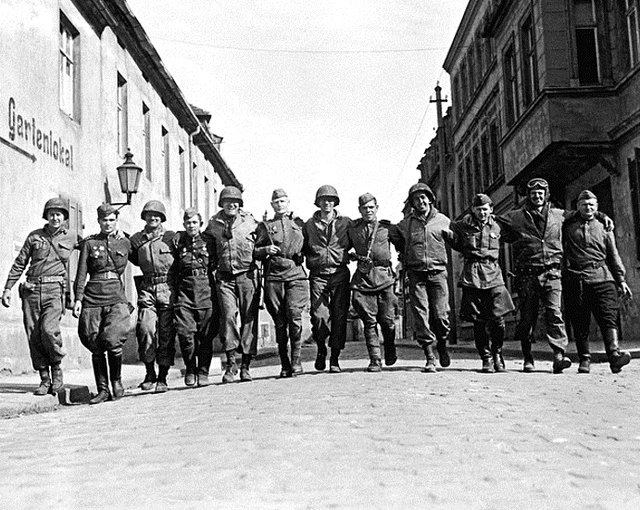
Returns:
<point x="334" y="363"/>
<point x="45" y="382"/>
<point x="496" y="333"/>
<point x="101" y="375"/>
<point x="443" y="353"/>
<point x="245" y="375"/>
<point x="390" y="352"/>
<point x="296" y="349"/>
<point x="429" y="353"/>
<point x="617" y="359"/>
<point x="528" y="365"/>
<point x="231" y="369"/>
<point x="481" y="339"/>
<point x="115" y="373"/>
<point x="321" y="358"/>
<point x="150" y="378"/>
<point x="286" y="369"/>
<point x="161" y="384"/>
<point x="56" y="378"/>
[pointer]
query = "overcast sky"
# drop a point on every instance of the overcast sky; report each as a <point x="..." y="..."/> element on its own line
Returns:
<point x="310" y="93"/>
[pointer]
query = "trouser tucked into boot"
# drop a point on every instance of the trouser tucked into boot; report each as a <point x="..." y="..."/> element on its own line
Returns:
<point x="101" y="374"/>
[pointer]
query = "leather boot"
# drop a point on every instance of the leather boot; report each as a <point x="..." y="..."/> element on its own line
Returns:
<point x="45" y="382"/>
<point x="375" y="365"/>
<point x="161" y="384"/>
<point x="528" y="365"/>
<point x="150" y="378"/>
<point x="245" y="375"/>
<point x="390" y="352"/>
<point x="481" y="339"/>
<point x="296" y="349"/>
<point x="203" y="375"/>
<point x="321" y="358"/>
<point x="286" y="369"/>
<point x="498" y="361"/>
<point x="496" y="330"/>
<point x="101" y="375"/>
<point x="617" y="359"/>
<point x="57" y="381"/>
<point x="560" y="361"/>
<point x="230" y="369"/>
<point x="115" y="373"/>
<point x="430" y="367"/>
<point x="334" y="364"/>
<point x="443" y="353"/>
<point x="585" y="365"/>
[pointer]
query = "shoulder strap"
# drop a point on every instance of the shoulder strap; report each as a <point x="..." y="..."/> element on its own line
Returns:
<point x="373" y="239"/>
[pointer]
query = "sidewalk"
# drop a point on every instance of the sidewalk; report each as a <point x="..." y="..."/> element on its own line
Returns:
<point x="16" y="391"/>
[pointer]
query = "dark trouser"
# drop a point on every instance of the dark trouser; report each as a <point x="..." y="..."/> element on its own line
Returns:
<point x="374" y="308"/>
<point x="330" y="307"/>
<point x="583" y="299"/>
<point x="238" y="297"/>
<point x="155" y="329"/>
<point x="104" y="328"/>
<point x="195" y="333"/>
<point x="429" y="298"/>
<point x="42" y="308"/>
<point x="533" y="290"/>
<point x="285" y="302"/>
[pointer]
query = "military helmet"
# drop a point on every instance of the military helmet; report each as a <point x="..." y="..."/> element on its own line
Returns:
<point x="56" y="203"/>
<point x="154" y="206"/>
<point x="327" y="191"/>
<point x="421" y="187"/>
<point x="230" y="193"/>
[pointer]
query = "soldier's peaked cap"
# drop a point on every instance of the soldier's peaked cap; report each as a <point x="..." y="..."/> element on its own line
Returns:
<point x="105" y="210"/>
<point x="365" y="199"/>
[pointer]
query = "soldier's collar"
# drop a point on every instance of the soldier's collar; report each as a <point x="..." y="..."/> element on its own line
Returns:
<point x="47" y="229"/>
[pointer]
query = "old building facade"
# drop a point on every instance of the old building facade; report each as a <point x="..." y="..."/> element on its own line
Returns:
<point x="549" y="88"/>
<point x="81" y="84"/>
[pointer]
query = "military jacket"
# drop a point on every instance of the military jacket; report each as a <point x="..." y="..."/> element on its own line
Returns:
<point x="104" y="259"/>
<point x="233" y="247"/>
<point x="152" y="252"/>
<point x="480" y="246"/>
<point x="590" y="252"/>
<point x="377" y="273"/>
<point x="420" y="242"/>
<point x="193" y="269"/>
<point x="47" y="254"/>
<point x="285" y="232"/>
<point x="326" y="243"/>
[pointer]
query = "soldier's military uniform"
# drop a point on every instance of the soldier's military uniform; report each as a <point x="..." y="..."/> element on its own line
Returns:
<point x="372" y="285"/>
<point x="325" y="250"/>
<point x="422" y="249"/>
<point x="103" y="324"/>
<point x="485" y="298"/>
<point x="593" y="268"/>
<point x="194" y="310"/>
<point x="47" y="253"/>
<point x="286" y="287"/>
<point x="237" y="284"/>
<point x="156" y="294"/>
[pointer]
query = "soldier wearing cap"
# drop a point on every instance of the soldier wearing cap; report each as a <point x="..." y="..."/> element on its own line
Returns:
<point x="237" y="283"/>
<point x="279" y="244"/>
<point x="154" y="330"/>
<point x="485" y="298"/>
<point x="593" y="268"/>
<point x="101" y="302"/>
<point x="420" y="243"/>
<point x="372" y="284"/>
<point x="536" y="233"/>
<point x="46" y="251"/>
<point x="326" y="246"/>
<point x="195" y="313"/>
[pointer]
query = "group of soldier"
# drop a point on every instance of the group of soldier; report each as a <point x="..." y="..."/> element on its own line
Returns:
<point x="197" y="284"/>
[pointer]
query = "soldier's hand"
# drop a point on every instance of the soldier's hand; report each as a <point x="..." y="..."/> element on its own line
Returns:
<point x="77" y="309"/>
<point x="272" y="249"/>
<point x="626" y="291"/>
<point x="6" y="298"/>
<point x="608" y="224"/>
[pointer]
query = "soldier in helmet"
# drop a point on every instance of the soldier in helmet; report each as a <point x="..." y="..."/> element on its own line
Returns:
<point x="419" y="240"/>
<point x="194" y="309"/>
<point x="326" y="246"/>
<point x="46" y="251"/>
<point x="237" y="285"/>
<point x="373" y="282"/>
<point x="101" y="303"/>
<point x="154" y="330"/>
<point x="279" y="244"/>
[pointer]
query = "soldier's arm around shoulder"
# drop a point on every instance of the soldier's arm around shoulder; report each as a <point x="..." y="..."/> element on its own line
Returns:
<point x="262" y="241"/>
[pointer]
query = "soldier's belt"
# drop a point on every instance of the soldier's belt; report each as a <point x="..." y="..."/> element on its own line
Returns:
<point x="152" y="280"/>
<point x="194" y="272"/>
<point x="46" y="279"/>
<point x="535" y="270"/>
<point x="588" y="265"/>
<point x="106" y="275"/>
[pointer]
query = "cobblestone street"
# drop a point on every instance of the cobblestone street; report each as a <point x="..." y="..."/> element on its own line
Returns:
<point x="400" y="439"/>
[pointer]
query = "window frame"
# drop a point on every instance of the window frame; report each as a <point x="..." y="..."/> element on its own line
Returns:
<point x="68" y="59"/>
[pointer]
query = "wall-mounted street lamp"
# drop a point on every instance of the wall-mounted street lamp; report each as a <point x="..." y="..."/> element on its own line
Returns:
<point x="129" y="176"/>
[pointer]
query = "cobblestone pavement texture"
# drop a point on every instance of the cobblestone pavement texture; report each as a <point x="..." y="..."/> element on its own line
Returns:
<point x="399" y="439"/>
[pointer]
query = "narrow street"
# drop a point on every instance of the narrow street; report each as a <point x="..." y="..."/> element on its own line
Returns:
<point x="400" y="439"/>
